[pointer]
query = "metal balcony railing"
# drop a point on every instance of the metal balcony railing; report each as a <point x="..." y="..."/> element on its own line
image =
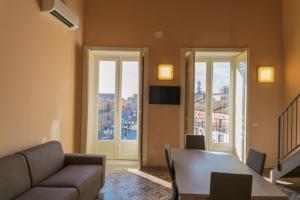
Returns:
<point x="288" y="136"/>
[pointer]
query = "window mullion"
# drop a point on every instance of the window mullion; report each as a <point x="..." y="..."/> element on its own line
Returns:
<point x="209" y="101"/>
<point x="118" y="98"/>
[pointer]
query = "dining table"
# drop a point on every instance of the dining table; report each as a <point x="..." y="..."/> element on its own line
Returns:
<point x="193" y="170"/>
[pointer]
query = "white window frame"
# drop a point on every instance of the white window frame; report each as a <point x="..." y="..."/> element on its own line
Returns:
<point x="118" y="95"/>
<point x="209" y="89"/>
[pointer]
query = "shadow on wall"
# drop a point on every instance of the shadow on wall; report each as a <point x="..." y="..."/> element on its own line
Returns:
<point x="78" y="97"/>
<point x="39" y="3"/>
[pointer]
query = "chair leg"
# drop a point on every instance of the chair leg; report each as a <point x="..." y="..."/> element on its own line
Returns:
<point x="174" y="193"/>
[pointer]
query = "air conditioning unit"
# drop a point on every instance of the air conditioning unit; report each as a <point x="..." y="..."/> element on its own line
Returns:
<point x="58" y="10"/>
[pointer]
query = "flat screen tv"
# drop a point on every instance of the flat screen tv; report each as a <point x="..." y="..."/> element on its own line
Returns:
<point x="164" y="95"/>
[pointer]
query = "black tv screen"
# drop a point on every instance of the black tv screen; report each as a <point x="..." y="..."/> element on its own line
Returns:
<point x="164" y="95"/>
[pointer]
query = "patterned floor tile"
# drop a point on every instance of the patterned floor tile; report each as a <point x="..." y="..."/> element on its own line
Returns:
<point x="123" y="184"/>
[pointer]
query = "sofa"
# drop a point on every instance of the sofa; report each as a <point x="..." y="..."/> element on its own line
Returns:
<point x="45" y="172"/>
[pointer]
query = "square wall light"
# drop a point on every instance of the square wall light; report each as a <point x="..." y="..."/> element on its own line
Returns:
<point x="165" y="71"/>
<point x="265" y="74"/>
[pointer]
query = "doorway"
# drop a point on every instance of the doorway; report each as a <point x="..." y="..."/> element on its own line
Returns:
<point x="113" y="124"/>
<point x="215" y="98"/>
<point x="118" y="107"/>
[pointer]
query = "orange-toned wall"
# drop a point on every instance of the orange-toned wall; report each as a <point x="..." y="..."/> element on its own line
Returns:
<point x="40" y="77"/>
<point x="291" y="47"/>
<point x="254" y="24"/>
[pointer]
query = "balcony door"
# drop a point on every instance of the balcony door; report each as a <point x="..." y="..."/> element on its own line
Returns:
<point x="209" y="98"/>
<point x="213" y="102"/>
<point x="216" y="99"/>
<point x="118" y="107"/>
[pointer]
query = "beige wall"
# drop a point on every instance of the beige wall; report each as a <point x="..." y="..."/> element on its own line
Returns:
<point x="254" y="24"/>
<point x="40" y="77"/>
<point x="40" y="70"/>
<point x="291" y="47"/>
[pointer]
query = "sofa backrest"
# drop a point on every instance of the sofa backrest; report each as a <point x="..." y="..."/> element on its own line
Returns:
<point x="44" y="160"/>
<point x="14" y="177"/>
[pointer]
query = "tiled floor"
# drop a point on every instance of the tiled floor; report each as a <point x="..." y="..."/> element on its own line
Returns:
<point x="124" y="184"/>
<point x="154" y="184"/>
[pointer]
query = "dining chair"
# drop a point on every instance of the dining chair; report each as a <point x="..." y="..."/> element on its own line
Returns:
<point x="224" y="186"/>
<point x="171" y="169"/>
<point x="256" y="160"/>
<point x="194" y="142"/>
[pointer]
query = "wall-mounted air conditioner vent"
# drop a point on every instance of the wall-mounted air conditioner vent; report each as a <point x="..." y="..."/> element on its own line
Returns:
<point x="61" y="12"/>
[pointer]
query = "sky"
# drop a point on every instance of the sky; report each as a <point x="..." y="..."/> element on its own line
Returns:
<point x="221" y="75"/>
<point x="107" y="77"/>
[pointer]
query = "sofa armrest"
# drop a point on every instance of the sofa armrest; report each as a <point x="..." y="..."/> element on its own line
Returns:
<point x="85" y="159"/>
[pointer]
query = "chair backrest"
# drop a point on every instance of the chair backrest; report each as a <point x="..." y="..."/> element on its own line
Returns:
<point x="256" y="160"/>
<point x="194" y="142"/>
<point x="170" y="162"/>
<point x="230" y="186"/>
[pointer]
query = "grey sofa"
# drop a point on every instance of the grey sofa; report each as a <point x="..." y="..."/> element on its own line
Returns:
<point x="44" y="172"/>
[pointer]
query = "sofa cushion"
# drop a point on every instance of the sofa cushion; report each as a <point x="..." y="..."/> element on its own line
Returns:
<point x="87" y="159"/>
<point x="44" y="193"/>
<point x="14" y="176"/>
<point x="85" y="178"/>
<point x="44" y="160"/>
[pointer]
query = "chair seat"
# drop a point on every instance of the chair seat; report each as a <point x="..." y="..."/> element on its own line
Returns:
<point x="85" y="178"/>
<point x="45" y="193"/>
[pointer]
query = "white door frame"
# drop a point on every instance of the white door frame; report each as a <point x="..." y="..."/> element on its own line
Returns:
<point x="183" y="92"/>
<point x="87" y="63"/>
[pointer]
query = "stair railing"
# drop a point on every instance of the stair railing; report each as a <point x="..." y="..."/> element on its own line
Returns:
<point x="288" y="139"/>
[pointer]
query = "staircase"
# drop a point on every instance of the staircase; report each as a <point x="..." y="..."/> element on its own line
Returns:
<point x="288" y="143"/>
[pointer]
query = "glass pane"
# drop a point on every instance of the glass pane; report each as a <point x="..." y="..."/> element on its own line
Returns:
<point x="220" y="102"/>
<point x="106" y="100"/>
<point x="129" y="100"/>
<point x="200" y="98"/>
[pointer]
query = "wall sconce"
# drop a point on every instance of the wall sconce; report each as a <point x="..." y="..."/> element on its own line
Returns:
<point x="265" y="74"/>
<point x="165" y="72"/>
